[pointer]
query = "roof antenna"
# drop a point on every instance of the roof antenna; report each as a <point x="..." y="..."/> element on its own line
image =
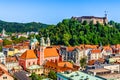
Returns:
<point x="105" y="13"/>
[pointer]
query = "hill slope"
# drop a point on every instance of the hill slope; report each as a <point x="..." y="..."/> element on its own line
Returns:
<point x="71" y="32"/>
<point x="21" y="27"/>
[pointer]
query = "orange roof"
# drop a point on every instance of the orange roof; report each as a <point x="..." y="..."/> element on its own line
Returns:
<point x="91" y="46"/>
<point x="11" y="59"/>
<point x="2" y="71"/>
<point x="1" y="40"/>
<point x="70" y="48"/>
<point x="91" y="62"/>
<point x="107" y="47"/>
<point x="8" y="46"/>
<point x="28" y="54"/>
<point x="95" y="51"/>
<point x="68" y="64"/>
<point x="56" y="46"/>
<point x="51" y="52"/>
<point x="59" y="66"/>
<point x="118" y="46"/>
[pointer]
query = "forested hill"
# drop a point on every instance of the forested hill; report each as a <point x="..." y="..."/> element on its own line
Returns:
<point x="21" y="27"/>
<point x="71" y="32"/>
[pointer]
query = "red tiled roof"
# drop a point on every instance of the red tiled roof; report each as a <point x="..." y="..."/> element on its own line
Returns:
<point x="28" y="54"/>
<point x="8" y="46"/>
<point x="11" y="59"/>
<point x="51" y="52"/>
<point x="1" y="40"/>
<point x="95" y="51"/>
<point x="2" y="71"/>
<point x="118" y="46"/>
<point x="59" y="66"/>
<point x="107" y="48"/>
<point x="70" y="48"/>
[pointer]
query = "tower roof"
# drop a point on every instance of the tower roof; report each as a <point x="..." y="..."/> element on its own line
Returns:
<point x="29" y="54"/>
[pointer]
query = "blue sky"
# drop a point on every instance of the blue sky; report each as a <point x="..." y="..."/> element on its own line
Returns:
<point x="54" y="11"/>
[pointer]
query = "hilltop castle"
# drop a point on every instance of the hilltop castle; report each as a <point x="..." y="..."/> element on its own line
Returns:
<point x="101" y="20"/>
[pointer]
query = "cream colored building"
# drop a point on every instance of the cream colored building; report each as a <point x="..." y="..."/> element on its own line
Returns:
<point x="2" y="58"/>
<point x="113" y="68"/>
<point x="35" y="69"/>
<point x="101" y="20"/>
<point x="95" y="54"/>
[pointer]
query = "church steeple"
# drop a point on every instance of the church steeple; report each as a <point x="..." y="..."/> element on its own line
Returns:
<point x="3" y="32"/>
<point x="42" y="42"/>
<point x="48" y="41"/>
<point x="41" y="54"/>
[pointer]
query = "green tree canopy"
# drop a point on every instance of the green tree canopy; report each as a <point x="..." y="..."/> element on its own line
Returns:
<point x="52" y="75"/>
<point x="71" y="32"/>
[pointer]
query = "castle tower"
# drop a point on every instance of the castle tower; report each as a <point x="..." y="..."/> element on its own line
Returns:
<point x="105" y="19"/>
<point x="41" y="53"/>
<point x="48" y="41"/>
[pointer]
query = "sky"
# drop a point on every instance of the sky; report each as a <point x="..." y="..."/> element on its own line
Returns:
<point x="54" y="11"/>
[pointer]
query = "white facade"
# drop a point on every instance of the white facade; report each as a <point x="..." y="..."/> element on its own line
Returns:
<point x="2" y="58"/>
<point x="113" y="68"/>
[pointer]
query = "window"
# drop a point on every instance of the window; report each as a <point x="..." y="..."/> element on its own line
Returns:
<point x="5" y="77"/>
<point x="29" y="63"/>
<point x="33" y="63"/>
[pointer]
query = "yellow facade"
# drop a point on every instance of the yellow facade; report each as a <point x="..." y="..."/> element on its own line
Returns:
<point x="11" y="53"/>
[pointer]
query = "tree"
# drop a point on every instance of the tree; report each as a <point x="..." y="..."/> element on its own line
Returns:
<point x="6" y="42"/>
<point x="36" y="77"/>
<point x="0" y="48"/>
<point x="83" y="62"/>
<point x="84" y="22"/>
<point x="52" y="75"/>
<point x="22" y="38"/>
<point x="70" y="32"/>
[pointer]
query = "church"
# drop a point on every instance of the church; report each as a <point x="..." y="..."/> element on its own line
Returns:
<point x="39" y="56"/>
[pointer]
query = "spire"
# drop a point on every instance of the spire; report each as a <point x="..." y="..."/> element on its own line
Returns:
<point x="48" y="41"/>
<point x="100" y="46"/>
<point x="42" y="42"/>
<point x="3" y="32"/>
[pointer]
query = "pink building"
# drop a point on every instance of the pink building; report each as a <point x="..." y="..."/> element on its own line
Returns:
<point x="27" y="59"/>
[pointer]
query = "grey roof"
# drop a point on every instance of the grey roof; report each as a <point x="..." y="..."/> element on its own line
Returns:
<point x="22" y="75"/>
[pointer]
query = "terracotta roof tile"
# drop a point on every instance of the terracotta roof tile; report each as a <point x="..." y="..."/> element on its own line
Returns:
<point x="107" y="48"/>
<point x="118" y="46"/>
<point x="51" y="52"/>
<point x="59" y="66"/>
<point x="11" y="59"/>
<point x="56" y="46"/>
<point x="70" y="48"/>
<point x="91" y="46"/>
<point x="28" y="54"/>
<point x="2" y="71"/>
<point x="1" y="40"/>
<point x="95" y="51"/>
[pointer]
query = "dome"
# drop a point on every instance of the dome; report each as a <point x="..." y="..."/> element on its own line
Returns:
<point x="35" y="40"/>
<point x="31" y="41"/>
